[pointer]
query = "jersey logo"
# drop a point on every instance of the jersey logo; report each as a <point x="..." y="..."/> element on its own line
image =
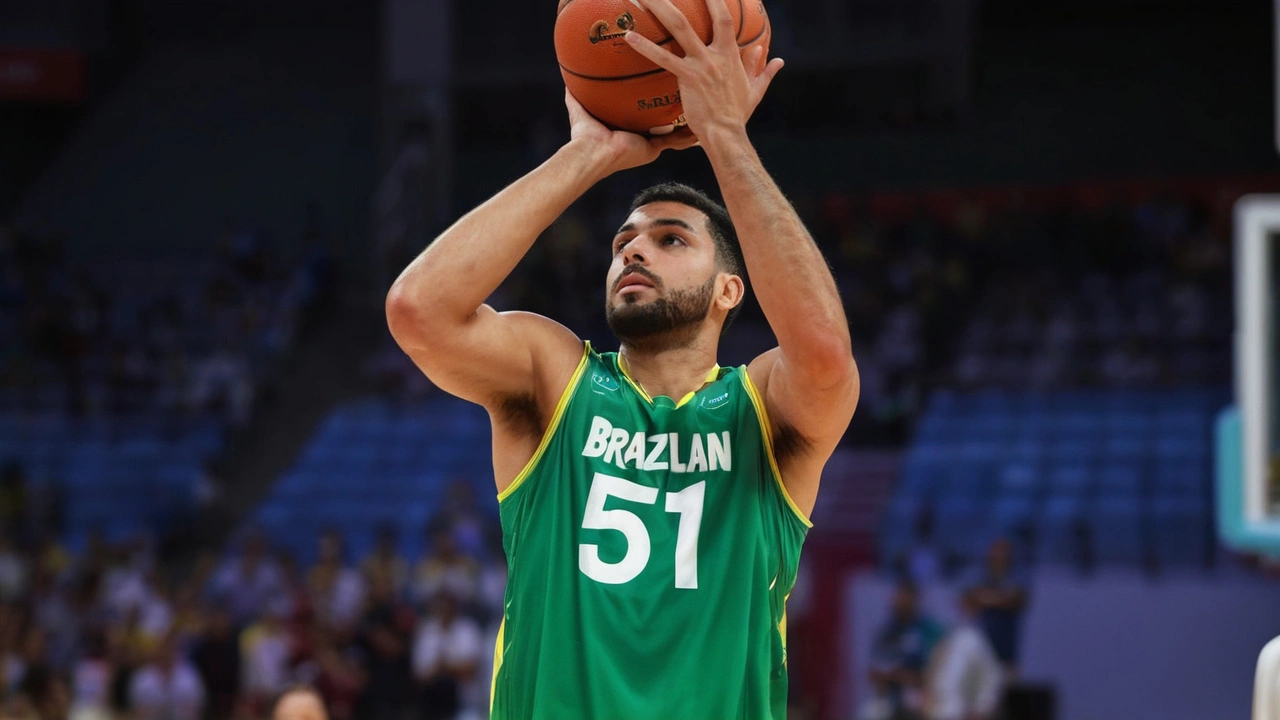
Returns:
<point x="713" y="403"/>
<point x="600" y="384"/>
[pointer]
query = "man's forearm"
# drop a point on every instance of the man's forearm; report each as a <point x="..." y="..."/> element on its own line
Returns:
<point x="791" y="279"/>
<point x="463" y="267"/>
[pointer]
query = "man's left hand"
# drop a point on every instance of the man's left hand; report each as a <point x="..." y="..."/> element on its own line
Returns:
<point x="719" y="88"/>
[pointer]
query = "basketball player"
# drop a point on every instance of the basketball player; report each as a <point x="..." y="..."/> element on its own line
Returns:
<point x="653" y="503"/>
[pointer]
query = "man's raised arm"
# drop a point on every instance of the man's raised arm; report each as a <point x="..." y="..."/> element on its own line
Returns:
<point x="436" y="309"/>
<point x="810" y="381"/>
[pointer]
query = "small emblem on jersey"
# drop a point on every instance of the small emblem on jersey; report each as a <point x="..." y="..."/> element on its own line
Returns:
<point x="600" y="384"/>
<point x="712" y="403"/>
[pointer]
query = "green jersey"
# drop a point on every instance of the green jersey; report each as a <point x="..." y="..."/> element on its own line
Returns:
<point x="651" y="546"/>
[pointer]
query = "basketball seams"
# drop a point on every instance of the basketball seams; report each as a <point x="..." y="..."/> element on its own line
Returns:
<point x="615" y="78"/>
<point x="763" y="30"/>
<point x="659" y="43"/>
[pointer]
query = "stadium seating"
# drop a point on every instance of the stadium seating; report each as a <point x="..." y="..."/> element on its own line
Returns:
<point x="1119" y="477"/>
<point x="373" y="462"/>
<point x="114" y="475"/>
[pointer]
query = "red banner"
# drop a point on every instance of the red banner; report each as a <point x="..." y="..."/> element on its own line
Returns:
<point x="41" y="75"/>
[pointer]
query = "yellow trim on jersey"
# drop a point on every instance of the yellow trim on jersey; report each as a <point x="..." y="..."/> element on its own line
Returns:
<point x="497" y="662"/>
<point x="712" y="376"/>
<point x="765" y="429"/>
<point x="551" y="426"/>
<point x="782" y="629"/>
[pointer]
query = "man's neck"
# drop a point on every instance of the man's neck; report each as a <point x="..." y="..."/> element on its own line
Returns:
<point x="673" y="373"/>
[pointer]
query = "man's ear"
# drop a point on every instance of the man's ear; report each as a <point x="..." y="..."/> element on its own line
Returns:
<point x="732" y="293"/>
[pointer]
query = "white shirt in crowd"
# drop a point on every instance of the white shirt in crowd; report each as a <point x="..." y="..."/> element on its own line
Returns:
<point x="247" y="592"/>
<point x="91" y="685"/>
<point x="345" y="599"/>
<point x="964" y="678"/>
<point x="266" y="660"/>
<point x="13" y="575"/>
<point x="175" y="695"/>
<point x="436" y="645"/>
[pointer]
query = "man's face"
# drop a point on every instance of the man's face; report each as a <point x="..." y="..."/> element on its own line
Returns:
<point x="664" y="277"/>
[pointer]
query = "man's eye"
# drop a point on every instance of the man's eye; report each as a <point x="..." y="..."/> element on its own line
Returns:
<point x="672" y="239"/>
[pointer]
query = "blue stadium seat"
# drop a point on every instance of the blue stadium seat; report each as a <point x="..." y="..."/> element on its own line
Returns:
<point x="1117" y="526"/>
<point x="1070" y="479"/>
<point x="1057" y="532"/>
<point x="1090" y="461"/>
<point x="1121" y="478"/>
<point x="1179" y="478"/>
<point x="1182" y="530"/>
<point x="1012" y="513"/>
<point x="1020" y="479"/>
<point x="959" y="521"/>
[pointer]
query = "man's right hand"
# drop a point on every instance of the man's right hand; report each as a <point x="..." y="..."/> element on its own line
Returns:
<point x="619" y="150"/>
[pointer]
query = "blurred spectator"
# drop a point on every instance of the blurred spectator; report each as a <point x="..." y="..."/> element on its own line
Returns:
<point x="13" y="496"/>
<point x="51" y="559"/>
<point x="91" y="682"/>
<point x="384" y="638"/>
<point x="899" y="656"/>
<point x="447" y="652"/>
<point x="264" y="655"/>
<point x="55" y="614"/>
<point x="340" y="677"/>
<point x="293" y="588"/>
<point x="493" y="586"/>
<point x="385" y="561"/>
<point x="217" y="658"/>
<point x="223" y="379"/>
<point x="445" y="569"/>
<point x="464" y="520"/>
<point x="964" y="679"/>
<point x="999" y="592"/>
<point x="922" y="562"/>
<point x="336" y="590"/>
<point x="299" y="703"/>
<point x="13" y="571"/>
<point x="167" y="688"/>
<point x="248" y="582"/>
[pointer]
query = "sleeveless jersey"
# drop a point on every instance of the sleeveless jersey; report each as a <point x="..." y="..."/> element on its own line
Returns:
<point x="651" y="547"/>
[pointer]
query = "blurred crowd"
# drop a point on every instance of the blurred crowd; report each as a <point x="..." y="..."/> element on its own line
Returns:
<point x="109" y="634"/>
<point x="922" y="669"/>
<point x="175" y="337"/>
<point x="1085" y="290"/>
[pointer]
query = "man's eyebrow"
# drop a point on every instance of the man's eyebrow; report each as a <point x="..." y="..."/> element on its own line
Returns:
<point x="668" y="222"/>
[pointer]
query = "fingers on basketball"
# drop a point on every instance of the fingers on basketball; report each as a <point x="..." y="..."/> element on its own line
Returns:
<point x="620" y="86"/>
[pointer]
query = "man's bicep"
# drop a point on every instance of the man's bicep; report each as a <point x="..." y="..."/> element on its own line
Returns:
<point x="493" y="355"/>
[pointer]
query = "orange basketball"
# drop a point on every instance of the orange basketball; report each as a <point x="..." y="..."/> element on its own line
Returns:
<point x="620" y="86"/>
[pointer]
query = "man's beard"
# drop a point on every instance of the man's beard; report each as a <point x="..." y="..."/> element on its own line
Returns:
<point x="662" y="324"/>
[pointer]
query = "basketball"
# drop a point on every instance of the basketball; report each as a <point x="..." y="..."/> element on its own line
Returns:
<point x="622" y="88"/>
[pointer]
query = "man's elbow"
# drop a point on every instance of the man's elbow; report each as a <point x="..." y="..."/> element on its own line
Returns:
<point x="406" y="318"/>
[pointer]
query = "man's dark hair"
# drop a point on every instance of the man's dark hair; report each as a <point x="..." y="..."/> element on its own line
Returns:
<point x="728" y="251"/>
